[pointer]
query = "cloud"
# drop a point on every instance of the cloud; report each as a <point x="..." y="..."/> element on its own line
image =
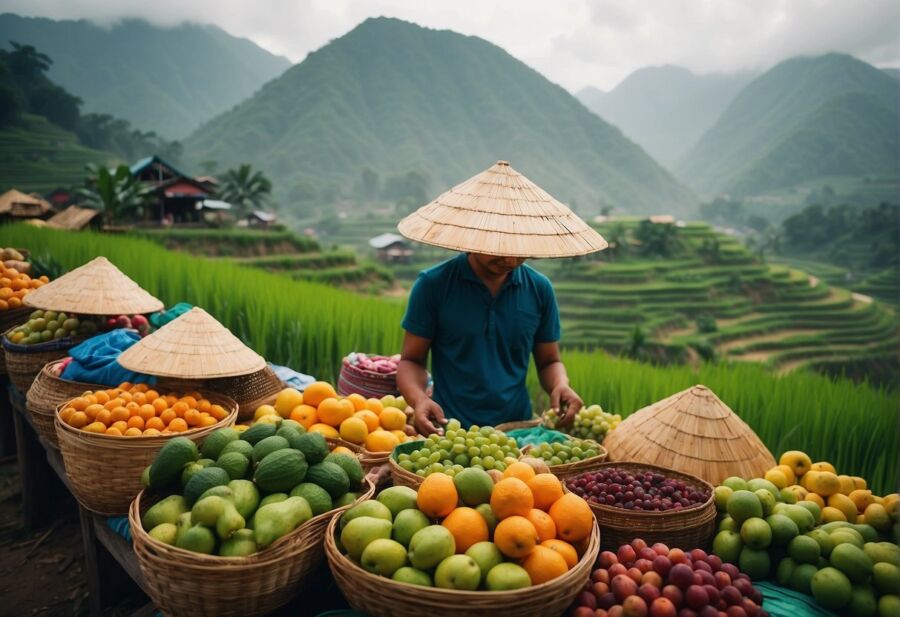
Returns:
<point x="573" y="42"/>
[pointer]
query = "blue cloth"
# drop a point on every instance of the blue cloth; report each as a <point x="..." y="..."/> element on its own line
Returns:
<point x="158" y="320"/>
<point x="782" y="602"/>
<point x="95" y="360"/>
<point x="120" y="525"/>
<point x="481" y="345"/>
<point x="291" y="377"/>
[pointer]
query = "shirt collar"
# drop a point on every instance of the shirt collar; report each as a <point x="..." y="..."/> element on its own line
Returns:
<point x="515" y="277"/>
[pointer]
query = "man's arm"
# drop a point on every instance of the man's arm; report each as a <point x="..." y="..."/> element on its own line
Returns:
<point x="555" y="381"/>
<point x="412" y="378"/>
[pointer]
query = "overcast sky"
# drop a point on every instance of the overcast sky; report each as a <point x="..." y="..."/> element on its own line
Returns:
<point x="575" y="43"/>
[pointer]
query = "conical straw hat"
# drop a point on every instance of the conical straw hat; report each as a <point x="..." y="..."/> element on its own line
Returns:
<point x="693" y="432"/>
<point x="193" y="346"/>
<point x="96" y="288"/>
<point x="501" y="212"/>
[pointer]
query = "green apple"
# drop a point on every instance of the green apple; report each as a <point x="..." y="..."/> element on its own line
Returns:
<point x="400" y="403"/>
<point x="372" y="508"/>
<point x="458" y="572"/>
<point x="413" y="576"/>
<point x="488" y="514"/>
<point x="506" y="576"/>
<point x="430" y="546"/>
<point x="383" y="556"/>
<point x="735" y="483"/>
<point x="486" y="555"/>
<point x="388" y="400"/>
<point x="361" y="531"/>
<point x="474" y="486"/>
<point x="767" y="499"/>
<point x="398" y="498"/>
<point x="407" y="523"/>
<point x="788" y="496"/>
<point x="722" y="493"/>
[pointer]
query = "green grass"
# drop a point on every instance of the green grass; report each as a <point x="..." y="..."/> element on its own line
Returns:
<point x="230" y="242"/>
<point x="311" y="327"/>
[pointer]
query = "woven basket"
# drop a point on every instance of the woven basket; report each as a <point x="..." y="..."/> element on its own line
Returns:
<point x="12" y="318"/>
<point x="400" y="476"/>
<point x="511" y="426"/>
<point x="24" y="362"/>
<point x="687" y="528"/>
<point x="46" y="394"/>
<point x="248" y="391"/>
<point x="367" y="458"/>
<point x="353" y="380"/>
<point x="378" y="596"/>
<point x="184" y="583"/>
<point x="568" y="469"/>
<point x="105" y="470"/>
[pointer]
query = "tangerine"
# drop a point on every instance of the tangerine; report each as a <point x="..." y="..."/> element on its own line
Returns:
<point x="159" y="404"/>
<point x="178" y="425"/>
<point x="467" y="526"/>
<point x="374" y="405"/>
<point x="147" y="411"/>
<point x="192" y="417"/>
<point x="152" y="395"/>
<point x="119" y="413"/>
<point x="381" y="440"/>
<point x="326" y="429"/>
<point x="333" y="411"/>
<point x="573" y="517"/>
<point x="514" y="536"/>
<point x="520" y="470"/>
<point x="317" y="392"/>
<point x="135" y="422"/>
<point x="563" y="548"/>
<point x="354" y="430"/>
<point x="546" y="489"/>
<point x="305" y="415"/>
<point x="114" y="431"/>
<point x="544" y="564"/>
<point x="207" y="420"/>
<point x="511" y="497"/>
<point x="217" y="411"/>
<point x="358" y="400"/>
<point x="437" y="496"/>
<point x="91" y="411"/>
<point x="542" y="522"/>
<point x="167" y="415"/>
<point x="95" y="427"/>
<point x="392" y="418"/>
<point x="154" y="422"/>
<point x="104" y="416"/>
<point x="66" y="413"/>
<point x="369" y="417"/>
<point x="151" y="432"/>
<point x="78" y="403"/>
<point x="133" y="432"/>
<point x="120" y="426"/>
<point x="344" y="450"/>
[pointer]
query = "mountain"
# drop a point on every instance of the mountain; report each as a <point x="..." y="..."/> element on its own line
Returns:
<point x="895" y="73"/>
<point x="167" y="80"/>
<point x="665" y="109"/>
<point x="806" y="118"/>
<point x="395" y="97"/>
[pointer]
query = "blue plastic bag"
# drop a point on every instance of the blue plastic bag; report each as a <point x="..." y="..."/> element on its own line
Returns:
<point x="96" y="360"/>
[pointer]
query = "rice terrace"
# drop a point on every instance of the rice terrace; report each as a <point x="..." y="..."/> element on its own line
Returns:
<point x="395" y="310"/>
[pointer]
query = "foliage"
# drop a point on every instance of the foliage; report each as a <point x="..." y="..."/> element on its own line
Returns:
<point x="24" y="72"/>
<point x="115" y="135"/>
<point x="656" y="240"/>
<point x="245" y="189"/>
<point x="117" y="193"/>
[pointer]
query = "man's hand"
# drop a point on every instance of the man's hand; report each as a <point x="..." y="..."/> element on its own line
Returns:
<point x="428" y="417"/>
<point x="564" y="399"/>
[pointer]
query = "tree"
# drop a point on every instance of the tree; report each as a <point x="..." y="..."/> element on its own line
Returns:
<point x="246" y="189"/>
<point x="656" y="239"/>
<point x="116" y="193"/>
<point x="27" y="67"/>
<point x="368" y="183"/>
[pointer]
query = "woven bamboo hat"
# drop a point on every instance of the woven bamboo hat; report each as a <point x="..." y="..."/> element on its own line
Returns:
<point x="693" y="432"/>
<point x="501" y="212"/>
<point x="96" y="288"/>
<point x="193" y="346"/>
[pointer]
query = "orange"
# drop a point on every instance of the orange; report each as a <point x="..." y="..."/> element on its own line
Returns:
<point x="511" y="497"/>
<point x="358" y="400"/>
<point x="114" y="431"/>
<point x="114" y="402"/>
<point x="140" y="387"/>
<point x="180" y="407"/>
<point x="120" y="426"/>
<point x="133" y="408"/>
<point x="514" y="536"/>
<point x="95" y="427"/>
<point x="544" y="564"/>
<point x="91" y="411"/>
<point x="317" y="392"/>
<point x="167" y="415"/>
<point x="305" y="415"/>
<point x="104" y="416"/>
<point x="207" y="420"/>
<point x="467" y="527"/>
<point x="546" y="489"/>
<point x="66" y="413"/>
<point x="205" y="405"/>
<point x="178" y="425"/>
<point x="437" y="495"/>
<point x="344" y="450"/>
<point x="190" y="401"/>
<point x="520" y="470"/>
<point x="125" y="396"/>
<point x="154" y="422"/>
<point x="147" y="411"/>
<point x="139" y="397"/>
<point x="542" y="522"/>
<point x="381" y="440"/>
<point x="354" y="430"/>
<point x="392" y="418"/>
<point x="563" y="548"/>
<point x="119" y="413"/>
<point x="171" y="399"/>
<point x="135" y="422"/>
<point x="102" y="396"/>
<point x="159" y="404"/>
<point x="192" y="417"/>
<point x="217" y="411"/>
<point x="573" y="517"/>
<point x="401" y="435"/>
<point x="133" y="432"/>
<point x="369" y="417"/>
<point x="151" y="395"/>
<point x="78" y="403"/>
<point x="14" y="303"/>
<point x="333" y="411"/>
<point x="326" y="430"/>
<point x="151" y="432"/>
<point x="125" y="385"/>
<point x="374" y="405"/>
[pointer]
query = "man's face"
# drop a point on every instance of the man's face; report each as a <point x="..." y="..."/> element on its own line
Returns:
<point x="498" y="265"/>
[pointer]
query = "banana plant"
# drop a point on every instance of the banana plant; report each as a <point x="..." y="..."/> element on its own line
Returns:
<point x="117" y="193"/>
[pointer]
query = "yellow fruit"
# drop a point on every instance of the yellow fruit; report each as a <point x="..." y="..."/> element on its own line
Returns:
<point x="829" y="515"/>
<point x="240" y="428"/>
<point x="392" y="418"/>
<point x="95" y="427"/>
<point x="860" y="519"/>
<point x="799" y="462"/>
<point x="344" y="450"/>
<point x="844" y="504"/>
<point x="286" y="400"/>
<point x="847" y="486"/>
<point x="264" y="410"/>
<point x="317" y="392"/>
<point x="858" y="482"/>
<point x="861" y="499"/>
<point x="877" y="517"/>
<point x="788" y="472"/>
<point x="824" y="483"/>
<point x="400" y="435"/>
<point x="326" y="430"/>
<point x="816" y="499"/>
<point x="890" y="503"/>
<point x="269" y="418"/>
<point x="354" y="430"/>
<point x="798" y="490"/>
<point x="333" y="411"/>
<point x="381" y="441"/>
<point x="777" y="477"/>
<point x="369" y="417"/>
<point x="358" y="400"/>
<point x="823" y="466"/>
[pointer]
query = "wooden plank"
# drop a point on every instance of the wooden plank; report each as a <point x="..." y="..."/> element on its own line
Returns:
<point x="91" y="565"/>
<point x="120" y="550"/>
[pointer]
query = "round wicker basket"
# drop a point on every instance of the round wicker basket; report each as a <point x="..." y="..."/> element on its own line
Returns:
<point x="105" y="470"/>
<point x="12" y="318"/>
<point x="568" y="469"/>
<point x="48" y="392"/>
<point x="248" y="391"/>
<point x="353" y="380"/>
<point x="24" y="362"/>
<point x="510" y="426"/>
<point x="687" y="528"/>
<point x="367" y="458"/>
<point x="378" y="596"/>
<point x="183" y="583"/>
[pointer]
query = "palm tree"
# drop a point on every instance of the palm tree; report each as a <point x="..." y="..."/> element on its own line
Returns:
<point x="116" y="193"/>
<point x="245" y="189"/>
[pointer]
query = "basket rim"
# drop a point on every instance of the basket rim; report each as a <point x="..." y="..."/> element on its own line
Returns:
<point x="645" y="514"/>
<point x="356" y="570"/>
<point x="274" y="549"/>
<point x="232" y="415"/>
<point x="46" y="370"/>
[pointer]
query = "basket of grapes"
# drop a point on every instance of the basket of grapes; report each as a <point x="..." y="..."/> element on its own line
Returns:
<point x="484" y="447"/>
<point x="657" y="504"/>
<point x="568" y="457"/>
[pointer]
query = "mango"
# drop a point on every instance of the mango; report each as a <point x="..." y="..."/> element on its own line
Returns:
<point x="824" y="483"/>
<point x="823" y="466"/>
<point x="847" y="485"/>
<point x="218" y="512"/>
<point x="245" y="497"/>
<point x="846" y="505"/>
<point x="241" y="543"/>
<point x="199" y="539"/>
<point x="275" y="520"/>
<point x="165" y="511"/>
<point x="861" y="498"/>
<point x="165" y="533"/>
<point x="181" y="525"/>
<point x="273" y="498"/>
<point x="219" y="491"/>
<point x="877" y="517"/>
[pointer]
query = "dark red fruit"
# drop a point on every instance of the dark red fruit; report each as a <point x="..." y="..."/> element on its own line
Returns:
<point x="755" y="595"/>
<point x="744" y="586"/>
<point x="713" y="592"/>
<point x="583" y="611"/>
<point x="646" y="553"/>
<point x="648" y="592"/>
<point x="588" y="599"/>
<point x="686" y="612"/>
<point x="698" y="553"/>
<point x="702" y="565"/>
<point x="709" y="611"/>
<point x="652" y="578"/>
<point x="736" y="611"/>
<point x="674" y="595"/>
<point x="715" y="562"/>
<point x="635" y="575"/>
<point x="706" y="577"/>
<point x="662" y="607"/>
<point x="606" y="600"/>
<point x="616" y="569"/>
<point x="731" y="570"/>
<point x="626" y="554"/>
<point x="750" y="607"/>
<point x="637" y="544"/>
<point x="601" y="575"/>
<point x="698" y="579"/>
<point x="606" y="559"/>
<point x="623" y="586"/>
<point x="681" y="575"/>
<point x="732" y="595"/>
<point x="660" y="548"/>
<point x="662" y="565"/>
<point x="696" y="597"/>
<point x="643" y="565"/>
<point x="634" y="606"/>
<point x="722" y="579"/>
<point x="676" y="555"/>
<point x="598" y="589"/>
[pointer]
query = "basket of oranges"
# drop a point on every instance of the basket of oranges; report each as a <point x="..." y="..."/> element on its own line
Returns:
<point x="48" y="392"/>
<point x="108" y="437"/>
<point x="14" y="286"/>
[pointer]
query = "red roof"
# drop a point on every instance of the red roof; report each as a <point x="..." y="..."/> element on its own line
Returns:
<point x="184" y="188"/>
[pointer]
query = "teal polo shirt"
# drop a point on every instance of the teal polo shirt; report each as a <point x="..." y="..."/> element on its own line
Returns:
<point x="481" y="345"/>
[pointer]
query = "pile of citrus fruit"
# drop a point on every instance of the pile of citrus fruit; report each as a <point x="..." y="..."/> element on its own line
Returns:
<point x="132" y="410"/>
<point x="466" y="532"/>
<point x="15" y="285"/>
<point x="358" y="420"/>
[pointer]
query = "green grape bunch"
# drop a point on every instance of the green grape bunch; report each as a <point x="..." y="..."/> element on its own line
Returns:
<point x="570" y="451"/>
<point x="484" y="447"/>
<point x="590" y="422"/>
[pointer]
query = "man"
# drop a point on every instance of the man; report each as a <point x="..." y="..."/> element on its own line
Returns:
<point x="482" y="317"/>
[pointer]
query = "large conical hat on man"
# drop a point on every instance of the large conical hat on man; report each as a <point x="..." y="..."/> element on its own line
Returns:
<point x="96" y="288"/>
<point x="501" y="212"/>
<point x="192" y="346"/>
